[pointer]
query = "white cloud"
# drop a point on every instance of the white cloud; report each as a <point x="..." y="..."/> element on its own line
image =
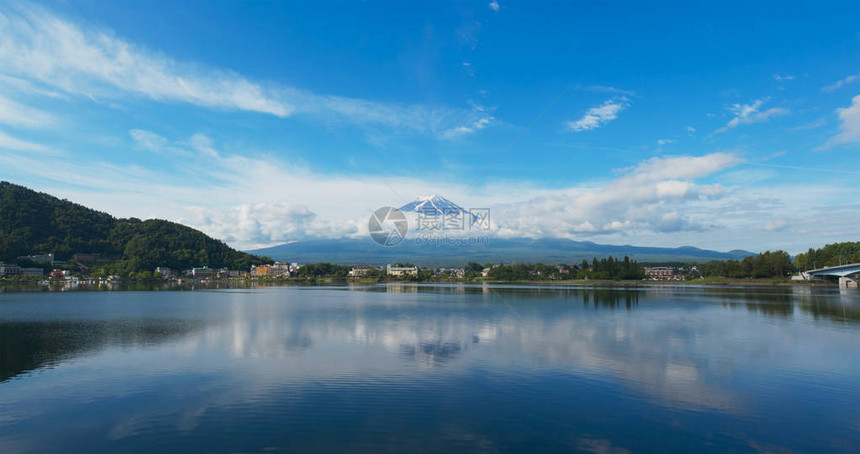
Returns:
<point x="783" y="78"/>
<point x="204" y="146"/>
<point x="494" y="5"/>
<point x="264" y="223"/>
<point x="840" y="83"/>
<point x="665" y="141"/>
<point x="775" y="225"/>
<point x="149" y="141"/>
<point x="598" y="116"/>
<point x="750" y="113"/>
<point x="8" y="142"/>
<point x="255" y="199"/>
<point x="22" y="86"/>
<point x="850" y="127"/>
<point x="691" y="129"/>
<point x="604" y="89"/>
<point x="811" y="125"/>
<point x="460" y="131"/>
<point x="15" y="114"/>
<point x="423" y="119"/>
<point x="648" y="198"/>
<point x="56" y="52"/>
<point x="94" y="63"/>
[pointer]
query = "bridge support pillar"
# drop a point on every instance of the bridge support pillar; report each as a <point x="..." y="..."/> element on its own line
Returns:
<point x="847" y="282"/>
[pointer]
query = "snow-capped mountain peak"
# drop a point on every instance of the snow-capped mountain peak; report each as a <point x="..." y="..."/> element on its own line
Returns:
<point x="433" y="203"/>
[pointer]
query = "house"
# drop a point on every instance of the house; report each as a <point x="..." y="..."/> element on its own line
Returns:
<point x="664" y="273"/>
<point x="452" y="272"/>
<point x="397" y="271"/>
<point x="32" y="271"/>
<point x="227" y="273"/>
<point x="262" y="270"/>
<point x="360" y="270"/>
<point x="280" y="269"/>
<point x="9" y="269"/>
<point x="42" y="258"/>
<point x="485" y="272"/>
<point x="203" y="272"/>
<point x="166" y="273"/>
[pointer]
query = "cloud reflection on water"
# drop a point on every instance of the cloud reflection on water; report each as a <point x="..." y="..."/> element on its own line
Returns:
<point x="676" y="347"/>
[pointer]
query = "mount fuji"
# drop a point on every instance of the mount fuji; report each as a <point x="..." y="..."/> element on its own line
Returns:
<point x="434" y="205"/>
<point x="349" y="251"/>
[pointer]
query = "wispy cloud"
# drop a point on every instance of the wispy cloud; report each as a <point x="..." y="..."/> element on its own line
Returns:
<point x="8" y="142"/>
<point x="23" y="86"/>
<point x="494" y="5"/>
<point x="783" y="78"/>
<point x="40" y="46"/>
<point x="604" y="89"/>
<point x="811" y="125"/>
<point x="841" y="83"/>
<point x="775" y="225"/>
<point x="751" y="113"/>
<point x="460" y="131"/>
<point x="150" y="141"/>
<point x="13" y="113"/>
<point x="598" y="116"/>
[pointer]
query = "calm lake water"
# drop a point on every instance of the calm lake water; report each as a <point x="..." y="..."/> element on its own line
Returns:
<point x="431" y="369"/>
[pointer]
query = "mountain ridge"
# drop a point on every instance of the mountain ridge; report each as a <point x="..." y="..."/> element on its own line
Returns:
<point x="34" y="222"/>
<point x="434" y="205"/>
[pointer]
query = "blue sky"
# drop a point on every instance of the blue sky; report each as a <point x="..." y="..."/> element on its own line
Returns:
<point x="729" y="125"/>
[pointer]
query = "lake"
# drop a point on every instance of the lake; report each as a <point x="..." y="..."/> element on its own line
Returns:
<point x="432" y="368"/>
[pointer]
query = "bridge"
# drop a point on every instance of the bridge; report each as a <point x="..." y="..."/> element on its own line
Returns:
<point x="846" y="273"/>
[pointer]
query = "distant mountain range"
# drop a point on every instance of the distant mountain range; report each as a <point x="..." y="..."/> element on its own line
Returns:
<point x="498" y="250"/>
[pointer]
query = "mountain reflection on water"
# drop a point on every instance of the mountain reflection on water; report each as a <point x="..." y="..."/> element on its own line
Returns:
<point x="702" y="349"/>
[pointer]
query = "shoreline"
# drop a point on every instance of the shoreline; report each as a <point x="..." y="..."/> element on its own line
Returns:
<point x="151" y="285"/>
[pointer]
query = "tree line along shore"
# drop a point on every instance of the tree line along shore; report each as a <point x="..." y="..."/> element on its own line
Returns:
<point x="765" y="268"/>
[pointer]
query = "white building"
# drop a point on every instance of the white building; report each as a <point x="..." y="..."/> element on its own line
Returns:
<point x="360" y="270"/>
<point x="9" y="269"/>
<point x="280" y="269"/>
<point x="401" y="271"/>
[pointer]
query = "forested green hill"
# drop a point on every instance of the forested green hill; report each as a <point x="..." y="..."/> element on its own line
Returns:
<point x="830" y="255"/>
<point x="36" y="223"/>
